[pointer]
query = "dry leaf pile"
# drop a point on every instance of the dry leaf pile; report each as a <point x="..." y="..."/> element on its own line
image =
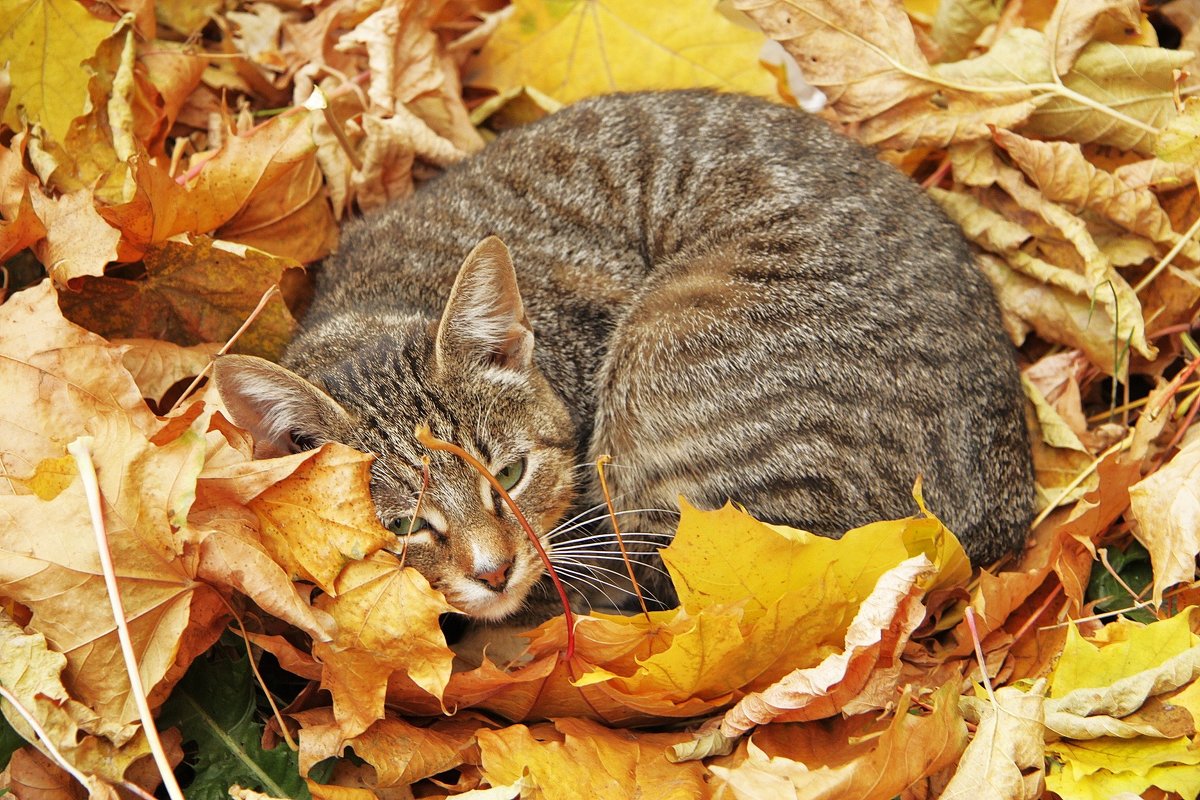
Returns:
<point x="166" y="163"/>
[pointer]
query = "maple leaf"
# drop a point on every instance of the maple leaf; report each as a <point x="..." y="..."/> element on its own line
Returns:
<point x="49" y="82"/>
<point x="553" y="761"/>
<point x="199" y="290"/>
<point x="1097" y="684"/>
<point x="854" y="758"/>
<point x="570" y="50"/>
<point x="1165" y="507"/>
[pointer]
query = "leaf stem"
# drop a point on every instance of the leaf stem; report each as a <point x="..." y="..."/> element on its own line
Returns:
<point x="612" y="515"/>
<point x="81" y="450"/>
<point x="1044" y="88"/>
<point x="433" y="443"/>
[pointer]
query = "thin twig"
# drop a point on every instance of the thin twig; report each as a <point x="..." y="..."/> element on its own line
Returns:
<point x="81" y="450"/>
<point x="612" y="515"/>
<point x="262" y="302"/>
<point x="417" y="510"/>
<point x="41" y="734"/>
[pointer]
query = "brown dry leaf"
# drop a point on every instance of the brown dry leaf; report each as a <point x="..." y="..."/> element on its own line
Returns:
<point x="390" y="146"/>
<point x="905" y="749"/>
<point x="33" y="673"/>
<point x="400" y="752"/>
<point x="554" y="762"/>
<point x="32" y="776"/>
<point x="862" y="56"/>
<point x="1166" y="510"/>
<point x="1055" y="314"/>
<point x="61" y="381"/>
<point x="78" y="242"/>
<point x="195" y="291"/>
<point x="19" y="224"/>
<point x="1074" y="24"/>
<point x="263" y="188"/>
<point x="156" y="365"/>
<point x="1064" y="175"/>
<point x="1006" y="758"/>
<point x="958" y="24"/>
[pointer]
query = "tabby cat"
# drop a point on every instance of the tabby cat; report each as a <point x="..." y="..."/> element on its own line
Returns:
<point x="730" y="299"/>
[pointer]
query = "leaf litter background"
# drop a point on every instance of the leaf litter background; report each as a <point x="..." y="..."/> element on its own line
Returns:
<point x="167" y="164"/>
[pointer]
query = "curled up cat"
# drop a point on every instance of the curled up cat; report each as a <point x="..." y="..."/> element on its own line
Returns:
<point x="727" y="297"/>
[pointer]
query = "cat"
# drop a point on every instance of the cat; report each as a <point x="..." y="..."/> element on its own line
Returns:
<point x="728" y="297"/>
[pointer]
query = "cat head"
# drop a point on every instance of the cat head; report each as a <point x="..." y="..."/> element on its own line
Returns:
<point x="469" y="377"/>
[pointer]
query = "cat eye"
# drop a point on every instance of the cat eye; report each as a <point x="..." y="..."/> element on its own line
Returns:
<point x="405" y="526"/>
<point x="511" y="474"/>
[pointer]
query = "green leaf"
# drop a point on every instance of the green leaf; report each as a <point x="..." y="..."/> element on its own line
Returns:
<point x="214" y="706"/>
<point x="1133" y="567"/>
<point x="10" y="742"/>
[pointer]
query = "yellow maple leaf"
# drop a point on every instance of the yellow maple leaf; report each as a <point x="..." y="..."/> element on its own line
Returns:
<point x="570" y="49"/>
<point x="49" y="83"/>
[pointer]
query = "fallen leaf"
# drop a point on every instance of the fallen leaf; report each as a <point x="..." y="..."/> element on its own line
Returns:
<point x="197" y="290"/>
<point x="553" y="762"/>
<point x="958" y="24"/>
<point x="902" y="752"/>
<point x="49" y="83"/>
<point x="78" y="242"/>
<point x="570" y="50"/>
<point x="1006" y="758"/>
<point x="1165" y="507"/>
<point x="1073" y="25"/>
<point x="387" y="622"/>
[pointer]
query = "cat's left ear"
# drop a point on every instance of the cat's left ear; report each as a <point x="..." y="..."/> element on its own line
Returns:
<point x="484" y="322"/>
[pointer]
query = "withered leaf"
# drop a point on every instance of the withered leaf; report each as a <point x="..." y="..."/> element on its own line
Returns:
<point x="198" y="290"/>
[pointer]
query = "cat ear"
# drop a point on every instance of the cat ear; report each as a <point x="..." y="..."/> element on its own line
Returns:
<point x="484" y="321"/>
<point x="284" y="412"/>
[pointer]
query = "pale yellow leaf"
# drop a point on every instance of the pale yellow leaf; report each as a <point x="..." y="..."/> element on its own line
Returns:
<point x="1005" y="760"/>
<point x="958" y="24"/>
<point x="45" y="43"/>
<point x="1073" y="24"/>
<point x="1166" y="508"/>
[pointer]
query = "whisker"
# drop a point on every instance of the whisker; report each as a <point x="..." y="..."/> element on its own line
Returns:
<point x="594" y="567"/>
<point x="633" y="536"/>
<point x="606" y="557"/>
<point x="561" y="529"/>
<point x="596" y="584"/>
<point x="585" y="512"/>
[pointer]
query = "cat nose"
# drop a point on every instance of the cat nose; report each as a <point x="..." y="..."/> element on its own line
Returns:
<point x="495" y="579"/>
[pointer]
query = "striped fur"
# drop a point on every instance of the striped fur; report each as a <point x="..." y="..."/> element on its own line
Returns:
<point x="728" y="298"/>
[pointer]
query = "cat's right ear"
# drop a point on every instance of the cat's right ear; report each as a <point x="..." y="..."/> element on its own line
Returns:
<point x="484" y="322"/>
<point x="284" y="412"/>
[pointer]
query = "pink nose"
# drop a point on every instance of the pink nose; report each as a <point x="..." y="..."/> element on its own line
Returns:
<point x="497" y="578"/>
